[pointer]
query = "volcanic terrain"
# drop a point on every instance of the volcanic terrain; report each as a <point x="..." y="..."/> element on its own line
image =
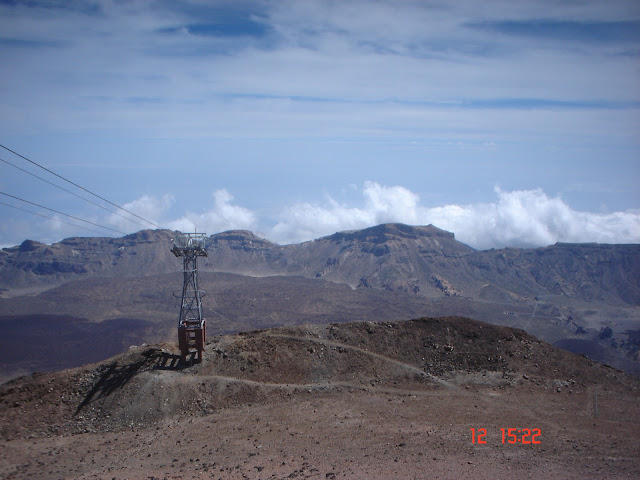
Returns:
<point x="83" y="299"/>
<point x="310" y="370"/>
<point x="373" y="400"/>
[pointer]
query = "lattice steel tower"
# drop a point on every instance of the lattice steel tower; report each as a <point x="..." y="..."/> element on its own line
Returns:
<point x="191" y="324"/>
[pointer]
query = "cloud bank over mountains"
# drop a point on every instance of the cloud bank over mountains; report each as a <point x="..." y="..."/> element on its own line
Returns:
<point x="518" y="218"/>
<point x="224" y="215"/>
<point x="281" y="100"/>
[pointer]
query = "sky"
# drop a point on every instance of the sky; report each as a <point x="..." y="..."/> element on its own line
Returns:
<point x="509" y="123"/>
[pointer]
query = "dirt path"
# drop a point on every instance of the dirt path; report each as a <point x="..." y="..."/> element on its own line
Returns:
<point x="398" y="363"/>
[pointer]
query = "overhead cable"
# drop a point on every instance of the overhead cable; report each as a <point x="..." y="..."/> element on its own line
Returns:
<point x="55" y="219"/>
<point x="80" y="187"/>
<point x="61" y="213"/>
<point x="69" y="191"/>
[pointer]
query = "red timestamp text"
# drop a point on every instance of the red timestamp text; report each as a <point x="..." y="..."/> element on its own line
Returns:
<point x="524" y="436"/>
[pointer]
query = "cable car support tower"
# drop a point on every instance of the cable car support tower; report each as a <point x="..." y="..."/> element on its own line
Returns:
<point x="191" y="324"/>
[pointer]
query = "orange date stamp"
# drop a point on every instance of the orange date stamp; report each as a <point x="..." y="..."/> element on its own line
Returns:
<point x="523" y="436"/>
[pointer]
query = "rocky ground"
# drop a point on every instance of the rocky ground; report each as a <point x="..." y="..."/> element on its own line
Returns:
<point x="350" y="400"/>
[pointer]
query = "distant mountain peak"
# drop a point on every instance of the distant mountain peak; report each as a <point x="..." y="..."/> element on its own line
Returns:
<point x="238" y="236"/>
<point x="388" y="231"/>
<point x="243" y="233"/>
<point x="24" y="247"/>
<point x="30" y="245"/>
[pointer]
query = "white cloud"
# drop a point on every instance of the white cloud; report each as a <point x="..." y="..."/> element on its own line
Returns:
<point x="223" y="215"/>
<point x="518" y="218"/>
<point x="530" y="218"/>
<point x="358" y="71"/>
<point x="521" y="218"/>
<point x="147" y="207"/>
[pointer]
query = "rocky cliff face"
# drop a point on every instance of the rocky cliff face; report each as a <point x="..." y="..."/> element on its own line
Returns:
<point x="391" y="256"/>
<point x="33" y="263"/>
<point x="587" y="271"/>
<point x="424" y="260"/>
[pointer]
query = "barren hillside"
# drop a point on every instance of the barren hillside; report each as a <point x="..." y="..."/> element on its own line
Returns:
<point x="356" y="400"/>
<point x="420" y="259"/>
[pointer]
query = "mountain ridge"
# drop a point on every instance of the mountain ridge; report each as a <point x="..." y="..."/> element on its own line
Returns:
<point x="585" y="297"/>
<point x="421" y="259"/>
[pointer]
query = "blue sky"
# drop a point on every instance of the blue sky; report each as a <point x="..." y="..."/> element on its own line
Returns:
<point x="508" y="123"/>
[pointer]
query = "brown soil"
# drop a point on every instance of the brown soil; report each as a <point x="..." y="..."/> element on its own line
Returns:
<point x="351" y="400"/>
